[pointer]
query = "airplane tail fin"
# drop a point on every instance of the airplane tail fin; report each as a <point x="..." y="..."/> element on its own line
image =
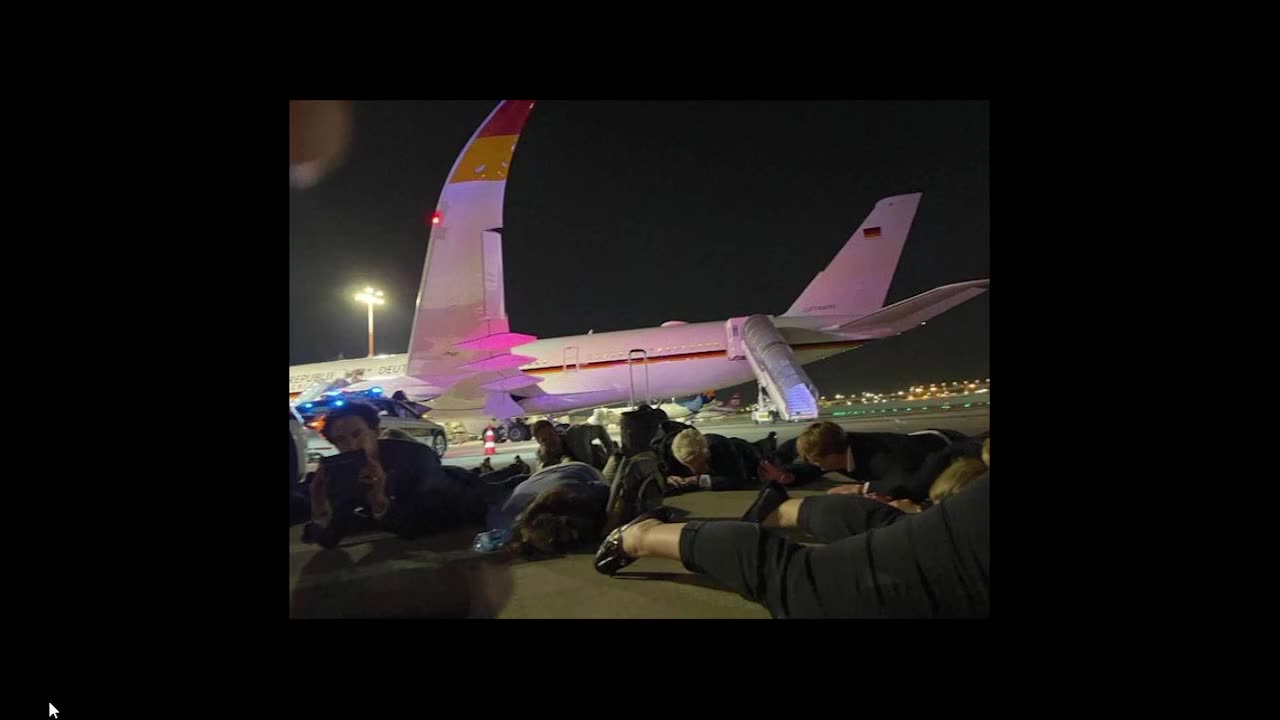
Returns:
<point x="857" y="281"/>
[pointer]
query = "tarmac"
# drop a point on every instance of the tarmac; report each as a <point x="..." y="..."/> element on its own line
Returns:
<point x="379" y="575"/>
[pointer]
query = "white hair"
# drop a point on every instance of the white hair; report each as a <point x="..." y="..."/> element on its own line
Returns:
<point x="688" y="445"/>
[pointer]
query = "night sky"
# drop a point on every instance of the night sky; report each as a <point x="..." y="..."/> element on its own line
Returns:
<point x="623" y="215"/>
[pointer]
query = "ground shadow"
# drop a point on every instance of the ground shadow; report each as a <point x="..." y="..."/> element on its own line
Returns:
<point x="430" y="577"/>
<point x="674" y="577"/>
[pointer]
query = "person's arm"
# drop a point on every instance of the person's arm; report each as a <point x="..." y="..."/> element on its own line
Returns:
<point x="728" y="469"/>
<point x="802" y="472"/>
<point x="321" y="530"/>
<point x="611" y="466"/>
<point x="899" y="484"/>
<point x="417" y="508"/>
<point x="903" y="485"/>
<point x="605" y="439"/>
<point x="727" y="472"/>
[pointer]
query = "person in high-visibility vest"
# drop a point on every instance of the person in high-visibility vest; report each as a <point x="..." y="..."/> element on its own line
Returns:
<point x="490" y="446"/>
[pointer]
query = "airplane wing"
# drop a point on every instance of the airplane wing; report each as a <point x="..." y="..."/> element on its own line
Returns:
<point x="460" y="327"/>
<point x="907" y="314"/>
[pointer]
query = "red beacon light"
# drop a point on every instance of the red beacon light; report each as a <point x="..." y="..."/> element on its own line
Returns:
<point x="435" y="218"/>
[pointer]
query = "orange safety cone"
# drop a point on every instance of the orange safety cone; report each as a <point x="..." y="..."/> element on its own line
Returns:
<point x="490" y="447"/>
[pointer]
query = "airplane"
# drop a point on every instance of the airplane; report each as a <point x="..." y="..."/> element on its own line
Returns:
<point x="466" y="363"/>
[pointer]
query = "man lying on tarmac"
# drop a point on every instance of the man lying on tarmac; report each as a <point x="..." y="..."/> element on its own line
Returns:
<point x="399" y="486"/>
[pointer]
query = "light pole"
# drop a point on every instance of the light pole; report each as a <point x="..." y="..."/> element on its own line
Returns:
<point x="370" y="297"/>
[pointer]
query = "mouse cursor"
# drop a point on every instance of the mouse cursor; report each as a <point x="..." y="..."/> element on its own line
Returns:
<point x="53" y="711"/>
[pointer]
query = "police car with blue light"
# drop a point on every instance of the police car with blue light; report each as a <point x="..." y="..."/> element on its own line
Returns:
<point x="393" y="413"/>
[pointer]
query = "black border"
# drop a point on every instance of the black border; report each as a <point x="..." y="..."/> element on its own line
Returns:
<point x="180" y="560"/>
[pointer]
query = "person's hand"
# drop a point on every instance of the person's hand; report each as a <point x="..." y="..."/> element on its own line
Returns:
<point x="676" y="481"/>
<point x="320" y="509"/>
<point x="772" y="473"/>
<point x="847" y="489"/>
<point x="907" y="506"/>
<point x="375" y="478"/>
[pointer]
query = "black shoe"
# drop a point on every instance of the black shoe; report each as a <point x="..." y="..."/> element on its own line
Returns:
<point x="769" y="499"/>
<point x="611" y="558"/>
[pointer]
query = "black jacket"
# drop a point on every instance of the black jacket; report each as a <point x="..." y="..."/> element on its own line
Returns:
<point x="734" y="464"/>
<point x="426" y="497"/>
<point x="885" y="460"/>
<point x="901" y="483"/>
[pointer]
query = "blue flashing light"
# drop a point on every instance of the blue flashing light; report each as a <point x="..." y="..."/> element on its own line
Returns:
<point x="339" y="403"/>
<point x="308" y="405"/>
<point x="376" y="391"/>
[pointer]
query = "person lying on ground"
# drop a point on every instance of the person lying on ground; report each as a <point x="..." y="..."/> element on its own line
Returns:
<point x="930" y="564"/>
<point x="405" y="489"/>
<point x="713" y="462"/>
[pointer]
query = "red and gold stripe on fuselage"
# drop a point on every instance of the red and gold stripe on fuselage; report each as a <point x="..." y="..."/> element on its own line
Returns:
<point x="835" y="346"/>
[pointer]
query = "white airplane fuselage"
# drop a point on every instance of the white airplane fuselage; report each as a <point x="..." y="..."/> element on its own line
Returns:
<point x="587" y="371"/>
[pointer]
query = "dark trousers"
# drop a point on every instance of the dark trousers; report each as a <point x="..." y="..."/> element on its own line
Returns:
<point x="930" y="564"/>
<point x="831" y="518"/>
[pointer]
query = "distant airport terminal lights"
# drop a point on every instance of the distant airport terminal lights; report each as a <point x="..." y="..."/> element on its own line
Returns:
<point x="370" y="297"/>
